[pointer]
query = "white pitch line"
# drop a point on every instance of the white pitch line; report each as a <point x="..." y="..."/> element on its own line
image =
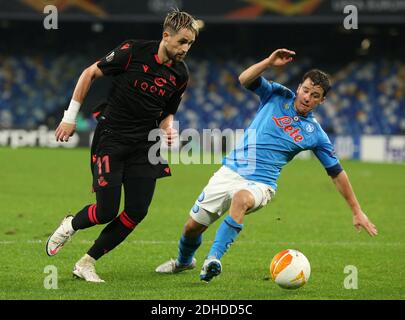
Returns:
<point x="242" y="242"/>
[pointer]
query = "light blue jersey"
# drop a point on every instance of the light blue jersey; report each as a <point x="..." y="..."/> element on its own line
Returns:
<point x="276" y="135"/>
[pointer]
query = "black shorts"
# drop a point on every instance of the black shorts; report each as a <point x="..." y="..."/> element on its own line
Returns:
<point x="114" y="160"/>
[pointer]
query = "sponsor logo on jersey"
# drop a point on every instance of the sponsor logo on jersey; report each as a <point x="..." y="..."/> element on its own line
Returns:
<point x="155" y="88"/>
<point x="158" y="85"/>
<point x="284" y="123"/>
<point x="160" y="82"/>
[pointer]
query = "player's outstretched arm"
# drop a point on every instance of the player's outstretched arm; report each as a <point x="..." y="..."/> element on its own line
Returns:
<point x="360" y="220"/>
<point x="68" y="124"/>
<point x="279" y="57"/>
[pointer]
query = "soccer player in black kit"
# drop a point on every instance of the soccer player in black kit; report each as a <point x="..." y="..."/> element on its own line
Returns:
<point x="149" y="78"/>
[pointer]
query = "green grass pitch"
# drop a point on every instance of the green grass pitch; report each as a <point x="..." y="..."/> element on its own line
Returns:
<point x="39" y="186"/>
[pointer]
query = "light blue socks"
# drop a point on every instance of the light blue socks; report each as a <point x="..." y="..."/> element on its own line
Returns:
<point x="187" y="248"/>
<point x="225" y="236"/>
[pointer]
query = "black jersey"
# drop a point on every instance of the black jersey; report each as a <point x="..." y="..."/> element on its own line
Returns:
<point x="144" y="90"/>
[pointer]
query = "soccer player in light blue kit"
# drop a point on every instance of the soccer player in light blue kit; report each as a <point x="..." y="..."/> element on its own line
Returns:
<point x="247" y="181"/>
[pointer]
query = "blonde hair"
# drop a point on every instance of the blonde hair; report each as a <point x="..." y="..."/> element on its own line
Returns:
<point x="176" y="20"/>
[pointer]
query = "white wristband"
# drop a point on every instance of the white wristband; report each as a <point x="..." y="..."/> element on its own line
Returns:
<point x="71" y="113"/>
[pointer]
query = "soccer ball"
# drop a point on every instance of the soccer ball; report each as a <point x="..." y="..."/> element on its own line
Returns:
<point x="290" y="269"/>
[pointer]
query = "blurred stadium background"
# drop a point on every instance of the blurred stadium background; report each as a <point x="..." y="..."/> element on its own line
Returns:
<point x="364" y="116"/>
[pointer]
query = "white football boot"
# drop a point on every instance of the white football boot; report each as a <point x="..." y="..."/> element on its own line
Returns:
<point x="62" y="234"/>
<point x="85" y="269"/>
<point x="172" y="267"/>
<point x="210" y="269"/>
